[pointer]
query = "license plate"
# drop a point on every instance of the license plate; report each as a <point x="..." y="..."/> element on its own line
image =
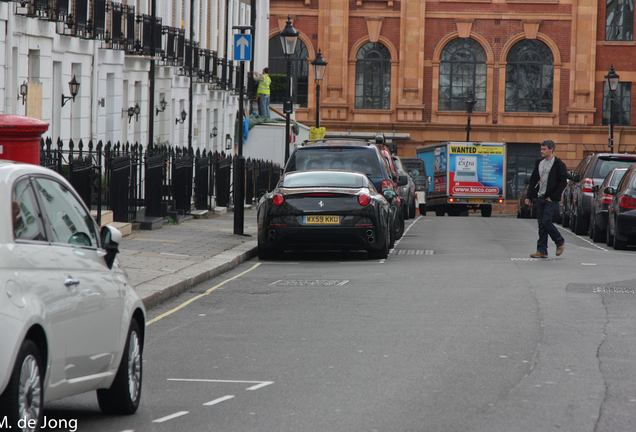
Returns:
<point x="475" y="200"/>
<point x="321" y="220"/>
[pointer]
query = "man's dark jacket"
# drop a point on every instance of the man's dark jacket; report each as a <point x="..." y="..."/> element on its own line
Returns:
<point x="557" y="180"/>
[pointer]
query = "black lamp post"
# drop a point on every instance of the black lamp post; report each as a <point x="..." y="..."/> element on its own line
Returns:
<point x="470" y="104"/>
<point x="320" y="66"/>
<point x="24" y="90"/>
<point x="288" y="38"/>
<point x="73" y="86"/>
<point x="612" y="83"/>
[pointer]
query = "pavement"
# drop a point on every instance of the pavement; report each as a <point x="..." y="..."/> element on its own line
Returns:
<point x="166" y="262"/>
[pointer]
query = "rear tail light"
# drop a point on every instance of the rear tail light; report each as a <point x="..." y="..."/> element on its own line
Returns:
<point x="278" y="199"/>
<point x="364" y="199"/>
<point x="500" y="201"/>
<point x="627" y="202"/>
<point x="450" y="200"/>
<point x="606" y="199"/>
<point x="386" y="185"/>
<point x="587" y="185"/>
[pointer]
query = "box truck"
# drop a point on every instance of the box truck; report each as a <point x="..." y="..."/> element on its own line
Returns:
<point x="466" y="175"/>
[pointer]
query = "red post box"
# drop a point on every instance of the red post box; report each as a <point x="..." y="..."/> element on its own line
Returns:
<point x="20" y="138"/>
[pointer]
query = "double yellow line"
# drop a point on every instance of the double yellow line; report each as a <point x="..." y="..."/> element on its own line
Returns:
<point x="184" y="304"/>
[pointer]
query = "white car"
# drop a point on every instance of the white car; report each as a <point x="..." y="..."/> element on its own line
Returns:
<point x="70" y="321"/>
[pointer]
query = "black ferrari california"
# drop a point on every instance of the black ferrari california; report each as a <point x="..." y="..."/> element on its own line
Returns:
<point x="324" y="210"/>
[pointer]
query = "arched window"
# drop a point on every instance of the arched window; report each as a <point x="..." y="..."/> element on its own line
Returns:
<point x="278" y="72"/>
<point x="462" y="69"/>
<point x="529" y="77"/>
<point x="373" y="77"/>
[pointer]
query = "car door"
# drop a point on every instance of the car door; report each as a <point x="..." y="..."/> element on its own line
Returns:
<point x="95" y="299"/>
<point x="36" y="282"/>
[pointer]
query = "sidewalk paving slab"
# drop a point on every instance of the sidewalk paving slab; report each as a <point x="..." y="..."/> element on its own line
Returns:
<point x="164" y="263"/>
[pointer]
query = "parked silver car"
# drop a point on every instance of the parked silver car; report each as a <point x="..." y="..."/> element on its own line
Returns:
<point x="71" y="321"/>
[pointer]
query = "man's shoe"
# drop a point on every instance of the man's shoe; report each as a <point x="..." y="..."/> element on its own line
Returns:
<point x="560" y="249"/>
<point x="538" y="255"/>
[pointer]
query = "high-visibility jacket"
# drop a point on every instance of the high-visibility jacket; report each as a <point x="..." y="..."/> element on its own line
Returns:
<point x="263" y="86"/>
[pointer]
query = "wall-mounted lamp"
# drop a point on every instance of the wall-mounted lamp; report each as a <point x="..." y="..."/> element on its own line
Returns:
<point x="163" y="104"/>
<point x="215" y="132"/>
<point x="183" y="117"/>
<point x="73" y="86"/>
<point x="24" y="89"/>
<point x="133" y="111"/>
<point x="101" y="102"/>
<point x="228" y="141"/>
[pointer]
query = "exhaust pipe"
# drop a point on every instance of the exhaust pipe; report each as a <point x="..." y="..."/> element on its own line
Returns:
<point x="370" y="239"/>
<point x="272" y="233"/>
<point x="369" y="233"/>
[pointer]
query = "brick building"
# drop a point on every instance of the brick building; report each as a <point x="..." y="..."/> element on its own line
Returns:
<point x="535" y="67"/>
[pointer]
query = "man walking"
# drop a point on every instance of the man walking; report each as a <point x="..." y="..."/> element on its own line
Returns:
<point x="547" y="182"/>
<point x="262" y="93"/>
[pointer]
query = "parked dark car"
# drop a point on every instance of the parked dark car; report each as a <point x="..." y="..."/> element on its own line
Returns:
<point x="353" y="155"/>
<point x="566" y="196"/>
<point x="324" y="210"/>
<point x="598" y="218"/>
<point x="416" y="169"/>
<point x="400" y="180"/>
<point x="621" y="216"/>
<point x="526" y="211"/>
<point x="580" y="203"/>
<point x="407" y="192"/>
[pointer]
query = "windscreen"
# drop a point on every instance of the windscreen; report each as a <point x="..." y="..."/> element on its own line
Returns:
<point x="604" y="166"/>
<point x="325" y="179"/>
<point x="361" y="159"/>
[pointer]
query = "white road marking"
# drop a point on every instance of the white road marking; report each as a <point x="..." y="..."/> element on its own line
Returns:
<point x="216" y="401"/>
<point x="587" y="240"/>
<point x="397" y="242"/>
<point x="589" y="264"/>
<point x="259" y="384"/>
<point x="179" y="255"/>
<point x="170" y="417"/>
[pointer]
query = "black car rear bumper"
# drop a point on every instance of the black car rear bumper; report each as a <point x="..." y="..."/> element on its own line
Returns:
<point x="321" y="238"/>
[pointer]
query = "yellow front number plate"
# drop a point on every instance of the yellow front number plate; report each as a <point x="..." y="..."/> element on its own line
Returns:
<point x="322" y="220"/>
<point x="476" y="200"/>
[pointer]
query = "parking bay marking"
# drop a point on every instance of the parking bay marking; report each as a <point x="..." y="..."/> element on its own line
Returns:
<point x="170" y="417"/>
<point x="219" y="400"/>
<point x="195" y="298"/>
<point x="259" y="384"/>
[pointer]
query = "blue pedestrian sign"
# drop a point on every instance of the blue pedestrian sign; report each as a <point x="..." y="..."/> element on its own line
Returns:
<point x="243" y="47"/>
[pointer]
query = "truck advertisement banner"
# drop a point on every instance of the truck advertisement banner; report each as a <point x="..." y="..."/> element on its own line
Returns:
<point x="476" y="169"/>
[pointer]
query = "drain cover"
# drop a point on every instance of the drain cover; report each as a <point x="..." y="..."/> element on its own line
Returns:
<point x="317" y="282"/>
<point x="596" y="289"/>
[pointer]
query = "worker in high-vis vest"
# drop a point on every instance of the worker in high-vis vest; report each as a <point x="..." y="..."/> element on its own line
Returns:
<point x="263" y="92"/>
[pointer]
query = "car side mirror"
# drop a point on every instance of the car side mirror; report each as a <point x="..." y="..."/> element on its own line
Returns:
<point x="260" y="193"/>
<point x="595" y="188"/>
<point x="389" y="194"/>
<point x="394" y="177"/>
<point x="609" y="191"/>
<point x="402" y="180"/>
<point x="110" y="237"/>
<point x="526" y="181"/>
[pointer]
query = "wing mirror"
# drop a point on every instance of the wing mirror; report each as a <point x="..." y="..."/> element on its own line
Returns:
<point x="260" y="193"/>
<point x="111" y="237"/>
<point x="389" y="194"/>
<point x="595" y="188"/>
<point x="402" y="180"/>
<point x="609" y="191"/>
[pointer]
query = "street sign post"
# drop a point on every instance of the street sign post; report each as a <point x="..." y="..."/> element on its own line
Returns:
<point x="242" y="53"/>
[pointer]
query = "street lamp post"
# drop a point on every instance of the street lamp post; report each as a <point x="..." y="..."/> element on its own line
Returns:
<point x="470" y="104"/>
<point x="320" y="65"/>
<point x="288" y="38"/>
<point x="612" y="83"/>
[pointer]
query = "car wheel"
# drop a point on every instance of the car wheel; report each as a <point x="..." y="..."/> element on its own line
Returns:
<point x="405" y="211"/>
<point x="598" y="235"/>
<point x="423" y="209"/>
<point x="124" y="394"/>
<point x="399" y="228"/>
<point x="609" y="238"/>
<point x="566" y="219"/>
<point x="580" y="226"/>
<point x="23" y="399"/>
<point x="412" y="209"/>
<point x="591" y="230"/>
<point x="382" y="253"/>
<point x="620" y="244"/>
